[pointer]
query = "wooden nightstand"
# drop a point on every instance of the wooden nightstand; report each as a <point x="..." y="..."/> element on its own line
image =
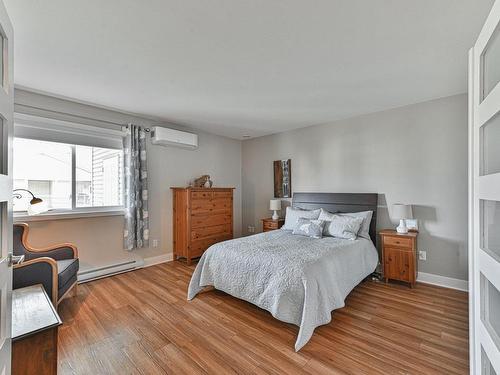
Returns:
<point x="399" y="256"/>
<point x="270" y="224"/>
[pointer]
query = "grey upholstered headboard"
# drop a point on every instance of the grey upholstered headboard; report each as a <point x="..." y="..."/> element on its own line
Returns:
<point x="341" y="203"/>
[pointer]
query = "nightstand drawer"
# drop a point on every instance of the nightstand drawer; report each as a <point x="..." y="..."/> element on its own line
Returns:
<point x="398" y="242"/>
<point x="270" y="225"/>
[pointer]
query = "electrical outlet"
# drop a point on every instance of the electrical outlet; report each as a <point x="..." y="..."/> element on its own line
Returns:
<point x="422" y="255"/>
<point x="155" y="243"/>
<point x="251" y="229"/>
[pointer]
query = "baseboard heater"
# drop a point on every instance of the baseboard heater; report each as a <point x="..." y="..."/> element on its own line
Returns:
<point x="112" y="269"/>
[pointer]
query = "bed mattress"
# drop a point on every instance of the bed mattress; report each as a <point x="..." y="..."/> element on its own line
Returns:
<point x="298" y="279"/>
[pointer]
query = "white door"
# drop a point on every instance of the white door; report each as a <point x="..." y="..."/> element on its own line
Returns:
<point x="484" y="215"/>
<point x="6" y="127"/>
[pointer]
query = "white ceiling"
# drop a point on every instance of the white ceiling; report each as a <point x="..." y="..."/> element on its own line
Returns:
<point x="235" y="67"/>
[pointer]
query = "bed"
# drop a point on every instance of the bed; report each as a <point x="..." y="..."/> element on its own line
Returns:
<point x="298" y="279"/>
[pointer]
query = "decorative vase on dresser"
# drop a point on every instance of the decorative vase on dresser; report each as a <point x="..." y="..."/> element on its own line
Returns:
<point x="201" y="218"/>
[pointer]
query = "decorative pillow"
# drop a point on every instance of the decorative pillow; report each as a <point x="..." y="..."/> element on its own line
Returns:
<point x="341" y="226"/>
<point x="309" y="228"/>
<point x="293" y="215"/>
<point x="364" y="231"/>
<point x="367" y="219"/>
<point x="327" y="217"/>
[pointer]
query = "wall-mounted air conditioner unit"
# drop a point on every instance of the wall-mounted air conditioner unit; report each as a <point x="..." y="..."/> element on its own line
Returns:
<point x="171" y="137"/>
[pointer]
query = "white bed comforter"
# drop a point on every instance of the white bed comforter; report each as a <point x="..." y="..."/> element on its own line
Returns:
<point x="298" y="279"/>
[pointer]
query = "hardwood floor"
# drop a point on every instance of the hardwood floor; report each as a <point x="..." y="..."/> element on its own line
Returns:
<point x="141" y="323"/>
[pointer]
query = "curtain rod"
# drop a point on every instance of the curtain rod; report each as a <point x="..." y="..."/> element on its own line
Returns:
<point x="81" y="117"/>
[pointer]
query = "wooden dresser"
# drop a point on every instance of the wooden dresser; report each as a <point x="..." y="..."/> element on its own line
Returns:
<point x="399" y="254"/>
<point x="202" y="217"/>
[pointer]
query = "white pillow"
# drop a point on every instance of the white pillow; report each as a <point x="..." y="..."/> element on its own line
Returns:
<point x="341" y="226"/>
<point x="367" y="219"/>
<point x="364" y="231"/>
<point x="293" y="215"/>
<point x="325" y="216"/>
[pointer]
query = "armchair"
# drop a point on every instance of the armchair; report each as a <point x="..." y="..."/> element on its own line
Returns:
<point x="54" y="267"/>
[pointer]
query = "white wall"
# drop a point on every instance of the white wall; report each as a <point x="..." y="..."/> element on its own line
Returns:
<point x="99" y="239"/>
<point x="415" y="154"/>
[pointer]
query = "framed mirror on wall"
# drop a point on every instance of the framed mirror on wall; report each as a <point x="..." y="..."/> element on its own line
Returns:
<point x="283" y="178"/>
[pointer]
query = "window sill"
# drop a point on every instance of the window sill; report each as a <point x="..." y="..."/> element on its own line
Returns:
<point x="20" y="216"/>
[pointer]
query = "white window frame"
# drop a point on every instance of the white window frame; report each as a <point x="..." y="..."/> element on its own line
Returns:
<point x="69" y="214"/>
<point x="53" y="130"/>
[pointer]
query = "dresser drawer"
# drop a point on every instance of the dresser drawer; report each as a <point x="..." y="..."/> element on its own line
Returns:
<point x="400" y="242"/>
<point x="198" y="247"/>
<point x="223" y="194"/>
<point x="204" y="220"/>
<point x="203" y="232"/>
<point x="211" y="194"/>
<point x="201" y="195"/>
<point x="215" y="206"/>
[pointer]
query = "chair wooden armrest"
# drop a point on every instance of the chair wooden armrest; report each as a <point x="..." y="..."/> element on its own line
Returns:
<point x="57" y="252"/>
<point x="52" y="263"/>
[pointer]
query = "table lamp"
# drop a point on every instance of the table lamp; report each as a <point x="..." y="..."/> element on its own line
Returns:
<point x="402" y="212"/>
<point x="36" y="206"/>
<point x="275" y="205"/>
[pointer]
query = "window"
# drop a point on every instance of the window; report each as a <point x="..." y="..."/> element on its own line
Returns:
<point x="67" y="176"/>
<point x="98" y="177"/>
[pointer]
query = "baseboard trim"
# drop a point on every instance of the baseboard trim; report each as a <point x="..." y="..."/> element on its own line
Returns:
<point x="446" y="282"/>
<point x="148" y="262"/>
<point x="109" y="270"/>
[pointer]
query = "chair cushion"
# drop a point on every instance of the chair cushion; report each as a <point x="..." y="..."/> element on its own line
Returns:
<point x="66" y="270"/>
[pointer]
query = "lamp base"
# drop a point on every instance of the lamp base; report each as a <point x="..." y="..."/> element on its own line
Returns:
<point x="402" y="229"/>
<point x="275" y="216"/>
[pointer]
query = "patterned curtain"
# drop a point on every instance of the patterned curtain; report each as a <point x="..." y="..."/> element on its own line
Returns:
<point x="136" y="231"/>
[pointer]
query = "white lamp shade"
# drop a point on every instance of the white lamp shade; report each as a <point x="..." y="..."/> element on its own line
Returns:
<point x="275" y="204"/>
<point x="402" y="211"/>
<point x="39" y="208"/>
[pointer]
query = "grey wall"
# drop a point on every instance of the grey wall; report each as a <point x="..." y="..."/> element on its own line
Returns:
<point x="415" y="154"/>
<point x="99" y="239"/>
